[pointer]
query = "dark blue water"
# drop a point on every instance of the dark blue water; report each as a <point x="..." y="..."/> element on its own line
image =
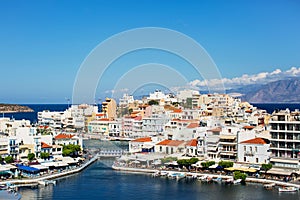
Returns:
<point x="32" y="116"/>
<point x="270" y="107"/>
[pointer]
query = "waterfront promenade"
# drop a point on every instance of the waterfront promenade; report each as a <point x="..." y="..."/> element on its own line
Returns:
<point x="35" y="181"/>
<point x="198" y="174"/>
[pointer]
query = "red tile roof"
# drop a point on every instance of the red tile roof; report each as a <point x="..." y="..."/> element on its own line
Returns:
<point x="100" y="114"/>
<point x="193" y="125"/>
<point x="103" y="119"/>
<point x="45" y="145"/>
<point x="218" y="129"/>
<point x="170" y="143"/>
<point x="177" y="111"/>
<point x="192" y="143"/>
<point x="63" y="136"/>
<point x="255" y="141"/>
<point x="145" y="139"/>
<point x="249" y="127"/>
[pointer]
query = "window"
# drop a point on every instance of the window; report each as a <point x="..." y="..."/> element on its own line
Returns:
<point x="244" y="148"/>
<point x="255" y="149"/>
<point x="250" y="148"/>
<point x="256" y="160"/>
<point x="244" y="159"/>
<point x="160" y="148"/>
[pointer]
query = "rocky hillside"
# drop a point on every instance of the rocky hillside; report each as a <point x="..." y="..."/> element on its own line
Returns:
<point x="9" y="108"/>
<point x="283" y="91"/>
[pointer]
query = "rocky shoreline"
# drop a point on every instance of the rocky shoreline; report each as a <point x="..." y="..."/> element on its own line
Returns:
<point x="14" y="108"/>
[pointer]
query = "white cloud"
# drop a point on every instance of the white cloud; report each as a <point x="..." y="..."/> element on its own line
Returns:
<point x="246" y="79"/>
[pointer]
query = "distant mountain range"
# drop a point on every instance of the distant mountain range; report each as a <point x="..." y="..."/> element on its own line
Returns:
<point x="282" y="91"/>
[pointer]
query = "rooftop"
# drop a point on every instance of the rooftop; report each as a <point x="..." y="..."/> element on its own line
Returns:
<point x="63" y="136"/>
<point x="170" y="142"/>
<point x="192" y="143"/>
<point x="145" y="139"/>
<point x="255" y="141"/>
<point x="45" y="145"/>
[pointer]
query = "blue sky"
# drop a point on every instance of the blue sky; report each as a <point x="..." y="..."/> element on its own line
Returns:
<point x="43" y="43"/>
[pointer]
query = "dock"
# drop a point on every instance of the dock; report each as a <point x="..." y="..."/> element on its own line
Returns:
<point x="35" y="181"/>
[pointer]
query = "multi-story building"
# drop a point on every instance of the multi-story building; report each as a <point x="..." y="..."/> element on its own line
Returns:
<point x="154" y="125"/>
<point x="126" y="100"/>
<point x="285" y="138"/>
<point x="254" y="151"/>
<point x="109" y="108"/>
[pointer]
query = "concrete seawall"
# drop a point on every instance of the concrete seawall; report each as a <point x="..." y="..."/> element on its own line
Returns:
<point x="250" y="180"/>
<point x="25" y="182"/>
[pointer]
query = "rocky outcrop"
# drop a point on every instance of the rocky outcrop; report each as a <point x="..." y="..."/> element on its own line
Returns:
<point x="13" y="108"/>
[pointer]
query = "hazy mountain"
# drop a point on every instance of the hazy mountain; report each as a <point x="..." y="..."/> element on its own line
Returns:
<point x="287" y="91"/>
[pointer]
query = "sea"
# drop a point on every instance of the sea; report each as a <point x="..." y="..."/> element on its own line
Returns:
<point x="99" y="181"/>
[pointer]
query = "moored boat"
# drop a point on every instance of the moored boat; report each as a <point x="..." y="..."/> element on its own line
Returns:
<point x="237" y="181"/>
<point x="288" y="189"/>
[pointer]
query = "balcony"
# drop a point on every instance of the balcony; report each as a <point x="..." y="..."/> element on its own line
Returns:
<point x="249" y="153"/>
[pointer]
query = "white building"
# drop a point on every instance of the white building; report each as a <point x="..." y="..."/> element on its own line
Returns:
<point x="141" y="145"/>
<point x="254" y="151"/>
<point x="126" y="100"/>
<point x="285" y="139"/>
<point x="170" y="147"/>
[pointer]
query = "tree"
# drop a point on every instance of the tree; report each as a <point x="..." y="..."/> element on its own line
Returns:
<point x="168" y="159"/>
<point x="207" y="164"/>
<point x="130" y="110"/>
<point x="30" y="156"/>
<point x="71" y="150"/>
<point x="9" y="159"/>
<point x="239" y="175"/>
<point x="187" y="162"/>
<point x="153" y="102"/>
<point x="266" y="167"/>
<point x="225" y="164"/>
<point x="45" y="155"/>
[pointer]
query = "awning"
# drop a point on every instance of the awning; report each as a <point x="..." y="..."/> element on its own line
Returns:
<point x="251" y="170"/>
<point x="228" y="137"/>
<point x="61" y="164"/>
<point x="294" y="161"/>
<point x="27" y="168"/>
<point x="280" y="172"/>
<point x="40" y="167"/>
<point x="48" y="164"/>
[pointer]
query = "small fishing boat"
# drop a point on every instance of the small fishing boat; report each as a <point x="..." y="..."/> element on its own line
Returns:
<point x="156" y="174"/>
<point x="47" y="182"/>
<point x="163" y="173"/>
<point x="237" y="181"/>
<point x="217" y="180"/>
<point x="288" y="189"/>
<point x="180" y="176"/>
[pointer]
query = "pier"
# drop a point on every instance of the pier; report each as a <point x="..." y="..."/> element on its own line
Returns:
<point x="35" y="181"/>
